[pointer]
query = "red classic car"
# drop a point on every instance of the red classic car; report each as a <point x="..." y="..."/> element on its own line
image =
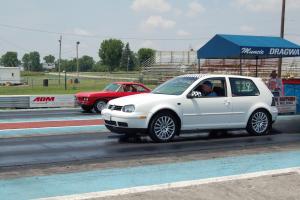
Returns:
<point x="98" y="100"/>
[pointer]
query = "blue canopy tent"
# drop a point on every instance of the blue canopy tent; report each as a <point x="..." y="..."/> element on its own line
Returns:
<point x="247" y="47"/>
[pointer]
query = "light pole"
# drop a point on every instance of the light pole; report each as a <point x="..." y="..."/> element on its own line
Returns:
<point x="65" y="72"/>
<point x="59" y="59"/>
<point x="77" y="44"/>
<point x="281" y="35"/>
<point x="128" y="59"/>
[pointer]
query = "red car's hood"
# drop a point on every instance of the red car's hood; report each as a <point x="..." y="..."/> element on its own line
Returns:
<point x="89" y="94"/>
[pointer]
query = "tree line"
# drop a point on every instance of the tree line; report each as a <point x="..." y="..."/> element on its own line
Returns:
<point x="113" y="53"/>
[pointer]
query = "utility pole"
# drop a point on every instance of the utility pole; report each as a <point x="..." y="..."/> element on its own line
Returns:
<point x="281" y="35"/>
<point x="77" y="44"/>
<point x="128" y="59"/>
<point x="59" y="59"/>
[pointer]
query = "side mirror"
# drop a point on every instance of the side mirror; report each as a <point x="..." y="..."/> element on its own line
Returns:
<point x="194" y="94"/>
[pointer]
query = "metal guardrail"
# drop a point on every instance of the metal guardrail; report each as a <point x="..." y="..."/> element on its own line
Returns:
<point x="36" y="101"/>
<point x="14" y="101"/>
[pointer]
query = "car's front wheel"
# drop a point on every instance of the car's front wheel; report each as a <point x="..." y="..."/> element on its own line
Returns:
<point x="259" y="123"/>
<point x="99" y="106"/>
<point x="86" y="108"/>
<point x="163" y="127"/>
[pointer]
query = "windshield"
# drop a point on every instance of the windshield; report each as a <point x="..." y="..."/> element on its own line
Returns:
<point x="175" y="86"/>
<point x="113" y="87"/>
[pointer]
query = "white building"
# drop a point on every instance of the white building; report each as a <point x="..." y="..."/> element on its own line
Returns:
<point x="48" y="66"/>
<point x="10" y="75"/>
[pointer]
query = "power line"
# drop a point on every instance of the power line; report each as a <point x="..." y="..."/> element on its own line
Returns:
<point x="94" y="36"/>
<point x="12" y="44"/>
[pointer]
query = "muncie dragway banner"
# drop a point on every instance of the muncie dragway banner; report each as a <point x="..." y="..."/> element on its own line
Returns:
<point x="51" y="101"/>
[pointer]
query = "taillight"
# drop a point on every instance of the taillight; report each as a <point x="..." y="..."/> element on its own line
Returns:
<point x="273" y="101"/>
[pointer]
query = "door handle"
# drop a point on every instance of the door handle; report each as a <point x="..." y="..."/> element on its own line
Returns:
<point x="227" y="103"/>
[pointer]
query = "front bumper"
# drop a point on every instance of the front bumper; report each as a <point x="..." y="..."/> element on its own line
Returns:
<point x="122" y="120"/>
<point x="84" y="103"/>
<point x="129" y="131"/>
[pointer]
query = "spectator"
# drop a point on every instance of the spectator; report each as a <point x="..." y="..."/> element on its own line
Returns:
<point x="275" y="84"/>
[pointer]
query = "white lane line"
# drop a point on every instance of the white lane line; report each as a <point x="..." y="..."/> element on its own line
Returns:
<point x="140" y="189"/>
<point x="53" y="127"/>
<point x="50" y="120"/>
<point x="39" y="109"/>
<point x="23" y="120"/>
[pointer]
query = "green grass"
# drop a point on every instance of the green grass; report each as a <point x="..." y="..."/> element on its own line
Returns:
<point x="35" y="85"/>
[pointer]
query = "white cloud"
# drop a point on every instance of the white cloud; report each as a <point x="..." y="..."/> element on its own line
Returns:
<point x="177" y="11"/>
<point x="155" y="22"/>
<point x="79" y="31"/>
<point x="183" y="33"/>
<point x="151" y="5"/>
<point x="259" y="5"/>
<point x="195" y="8"/>
<point x="266" y="5"/>
<point x="293" y="4"/>
<point x="247" y="29"/>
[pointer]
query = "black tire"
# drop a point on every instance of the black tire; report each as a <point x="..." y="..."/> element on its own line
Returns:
<point x="86" y="108"/>
<point x="99" y="106"/>
<point x="259" y="123"/>
<point x="163" y="127"/>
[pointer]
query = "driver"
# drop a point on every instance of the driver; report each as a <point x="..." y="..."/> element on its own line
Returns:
<point x="127" y="88"/>
<point x="207" y="88"/>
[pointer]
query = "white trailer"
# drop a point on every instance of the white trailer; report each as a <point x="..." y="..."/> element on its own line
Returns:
<point x="10" y="75"/>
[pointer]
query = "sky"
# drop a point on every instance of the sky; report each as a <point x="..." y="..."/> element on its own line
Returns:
<point x="168" y="25"/>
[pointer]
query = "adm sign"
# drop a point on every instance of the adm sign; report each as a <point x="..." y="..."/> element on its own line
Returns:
<point x="51" y="101"/>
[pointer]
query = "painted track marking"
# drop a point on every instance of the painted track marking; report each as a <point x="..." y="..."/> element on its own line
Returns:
<point x="145" y="176"/>
<point x="168" y="186"/>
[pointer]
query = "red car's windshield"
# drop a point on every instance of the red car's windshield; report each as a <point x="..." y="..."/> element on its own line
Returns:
<point x="113" y="87"/>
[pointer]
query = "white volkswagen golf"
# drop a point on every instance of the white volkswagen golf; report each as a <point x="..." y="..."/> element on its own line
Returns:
<point x="194" y="102"/>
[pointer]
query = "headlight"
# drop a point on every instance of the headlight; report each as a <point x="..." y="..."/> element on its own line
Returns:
<point x="128" y="108"/>
<point x="85" y="98"/>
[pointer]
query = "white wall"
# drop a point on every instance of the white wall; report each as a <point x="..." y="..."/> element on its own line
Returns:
<point x="10" y="74"/>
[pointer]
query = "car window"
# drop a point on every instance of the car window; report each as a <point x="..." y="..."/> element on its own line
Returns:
<point x="175" y="86"/>
<point x="112" y="87"/>
<point x="127" y="88"/>
<point x="243" y="87"/>
<point x="138" y="88"/>
<point x="212" y="87"/>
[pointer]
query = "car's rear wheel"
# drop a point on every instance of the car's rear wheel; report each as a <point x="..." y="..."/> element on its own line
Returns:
<point x="259" y="123"/>
<point x="163" y="127"/>
<point x="99" y="106"/>
<point x="86" y="108"/>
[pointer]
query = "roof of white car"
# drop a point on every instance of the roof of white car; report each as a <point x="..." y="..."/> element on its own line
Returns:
<point x="214" y="75"/>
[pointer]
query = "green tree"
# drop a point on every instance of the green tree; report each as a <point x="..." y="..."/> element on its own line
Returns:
<point x="127" y="59"/>
<point x="50" y="59"/>
<point x="68" y="65"/>
<point x="26" y="62"/>
<point x="145" y="53"/>
<point x="99" y="67"/>
<point x="110" y="53"/>
<point x="10" y="59"/>
<point x="31" y="61"/>
<point x="34" y="61"/>
<point x="86" y="63"/>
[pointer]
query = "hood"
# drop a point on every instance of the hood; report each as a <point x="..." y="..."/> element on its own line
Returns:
<point x="89" y="94"/>
<point x="140" y="99"/>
